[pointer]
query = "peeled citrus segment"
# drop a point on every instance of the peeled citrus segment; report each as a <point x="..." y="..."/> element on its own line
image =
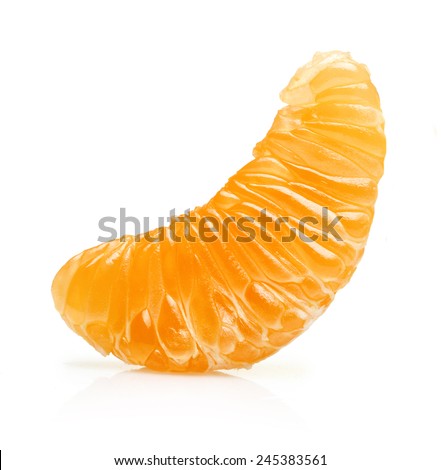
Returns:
<point x="205" y="303"/>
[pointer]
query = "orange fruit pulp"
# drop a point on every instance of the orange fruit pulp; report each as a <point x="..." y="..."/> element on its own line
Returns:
<point x="206" y="302"/>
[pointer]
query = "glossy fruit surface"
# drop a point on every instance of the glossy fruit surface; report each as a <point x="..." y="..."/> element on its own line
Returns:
<point x="223" y="298"/>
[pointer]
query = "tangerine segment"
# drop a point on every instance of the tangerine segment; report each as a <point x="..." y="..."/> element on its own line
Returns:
<point x="209" y="302"/>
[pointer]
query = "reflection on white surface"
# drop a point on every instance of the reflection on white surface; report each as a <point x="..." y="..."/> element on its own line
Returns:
<point x="157" y="398"/>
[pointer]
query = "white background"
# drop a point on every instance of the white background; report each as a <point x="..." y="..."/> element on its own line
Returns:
<point x="153" y="105"/>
